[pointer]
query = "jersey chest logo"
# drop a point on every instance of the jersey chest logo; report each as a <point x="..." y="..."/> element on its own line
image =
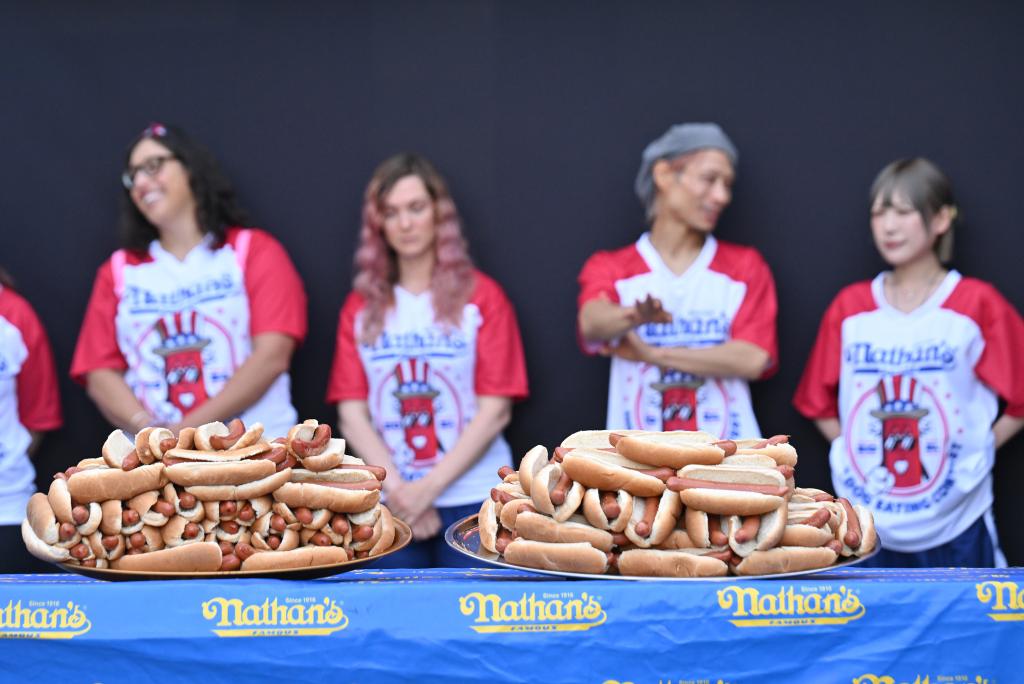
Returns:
<point x="899" y="435"/>
<point x="673" y="400"/>
<point x="421" y="415"/>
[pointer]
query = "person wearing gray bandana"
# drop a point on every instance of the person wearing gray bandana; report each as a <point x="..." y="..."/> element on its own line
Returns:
<point x="687" y="319"/>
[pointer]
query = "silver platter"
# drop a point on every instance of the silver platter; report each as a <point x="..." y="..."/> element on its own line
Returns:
<point x="464" y="537"/>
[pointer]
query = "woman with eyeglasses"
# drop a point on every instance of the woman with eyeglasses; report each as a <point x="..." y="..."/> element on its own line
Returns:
<point x="905" y="381"/>
<point x="29" y="406"/>
<point x="428" y="359"/>
<point x="196" y="318"/>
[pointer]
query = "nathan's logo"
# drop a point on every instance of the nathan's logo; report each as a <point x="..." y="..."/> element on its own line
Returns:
<point x="787" y="607"/>
<point x="1006" y="599"/>
<point x="43" y="620"/>
<point x="550" y="613"/>
<point x="294" y="617"/>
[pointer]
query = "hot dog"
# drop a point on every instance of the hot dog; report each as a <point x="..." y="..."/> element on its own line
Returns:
<point x="340" y="491"/>
<point x="755" y="532"/>
<point x="653" y="519"/>
<point x="249" y="490"/>
<point x="673" y="563"/>
<point x="610" y="471"/>
<point x="574" y="557"/>
<point x="730" y="490"/>
<point x="785" y="559"/>
<point x="608" y="510"/>
<point x="672" y="449"/>
<point x="554" y="493"/>
<point x="542" y="528"/>
<point x="856" y="530"/>
<point x="777" y="447"/>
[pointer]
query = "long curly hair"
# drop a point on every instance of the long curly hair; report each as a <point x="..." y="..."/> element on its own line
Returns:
<point x="217" y="207"/>
<point x="376" y="265"/>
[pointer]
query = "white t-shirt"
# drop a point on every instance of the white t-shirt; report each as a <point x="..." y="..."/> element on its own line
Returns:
<point x="421" y="379"/>
<point x="916" y="395"/>
<point x="181" y="328"/>
<point x="28" y="400"/>
<point x="727" y="293"/>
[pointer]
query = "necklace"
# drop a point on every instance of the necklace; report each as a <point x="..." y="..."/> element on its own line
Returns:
<point x="907" y="299"/>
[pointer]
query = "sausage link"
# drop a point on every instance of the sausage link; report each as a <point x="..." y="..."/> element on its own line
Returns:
<point x="247" y="514"/>
<point x="303" y="515"/>
<point x="312" y="447"/>
<point x="109" y="541"/>
<point x="852" y="537"/>
<point x="236" y="428"/>
<point x="726" y="445"/>
<point x="168" y="444"/>
<point x="137" y="540"/>
<point x="646" y="523"/>
<point x="230" y="562"/>
<point x="273" y="541"/>
<point x="561" y="489"/>
<point x="130" y="517"/>
<point x="362" y="532"/>
<point x="66" y="531"/>
<point x="787" y="471"/>
<point x="191" y="531"/>
<point x="187" y="500"/>
<point x="229" y="526"/>
<point x="320" y="539"/>
<point x="131" y="461"/>
<point x="226" y="548"/>
<point x="228" y="508"/>
<point x="164" y="508"/>
<point x="277" y="523"/>
<point x="715" y="534"/>
<point x="778" y="439"/>
<point x="818" y="518"/>
<point x="503" y="539"/>
<point x="610" y="505"/>
<point x="79" y="551"/>
<point x="835" y="545"/>
<point x="80" y="514"/>
<point x="505" y="471"/>
<point x="244" y="551"/>
<point x="339" y="524"/>
<point x="748" y="530"/>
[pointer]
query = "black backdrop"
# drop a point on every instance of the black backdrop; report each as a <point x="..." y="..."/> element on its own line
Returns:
<point x="536" y="113"/>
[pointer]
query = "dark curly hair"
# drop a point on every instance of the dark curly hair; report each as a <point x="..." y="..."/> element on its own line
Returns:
<point x="217" y="208"/>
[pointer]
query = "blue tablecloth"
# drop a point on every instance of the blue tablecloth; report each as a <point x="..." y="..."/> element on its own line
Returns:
<point x="854" y="625"/>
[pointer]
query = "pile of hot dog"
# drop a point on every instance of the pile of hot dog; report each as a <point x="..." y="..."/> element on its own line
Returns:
<point x="217" y="497"/>
<point x="668" y="504"/>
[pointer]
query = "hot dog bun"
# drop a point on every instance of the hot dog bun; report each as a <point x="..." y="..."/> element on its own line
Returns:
<point x="488" y="521"/>
<point x="575" y="557"/>
<point x="535" y="459"/>
<point x="190" y="473"/>
<point x="671" y="449"/>
<point x="102" y="484"/>
<point x="249" y="490"/>
<point x="199" y="557"/>
<point x="609" y="471"/>
<point x="594" y="513"/>
<point x="738" y="501"/>
<point x="785" y="559"/>
<point x="542" y="528"/>
<point x="305" y="557"/>
<point x="674" y="563"/>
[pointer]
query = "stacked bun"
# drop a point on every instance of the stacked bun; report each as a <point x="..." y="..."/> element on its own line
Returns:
<point x="217" y="497"/>
<point x="676" y="504"/>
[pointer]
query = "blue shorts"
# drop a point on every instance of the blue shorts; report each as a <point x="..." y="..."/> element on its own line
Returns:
<point x="433" y="552"/>
<point x="972" y="549"/>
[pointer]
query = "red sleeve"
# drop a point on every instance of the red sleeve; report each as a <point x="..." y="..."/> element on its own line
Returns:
<point x="755" y="320"/>
<point x="348" y="378"/>
<point x="1001" y="364"/>
<point x="500" y="362"/>
<point x="38" y="400"/>
<point x="597" y="279"/>
<point x="277" y="299"/>
<point x="97" y="340"/>
<point x="817" y="395"/>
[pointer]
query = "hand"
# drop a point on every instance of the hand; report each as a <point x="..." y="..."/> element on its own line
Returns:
<point x="410" y="500"/>
<point x="427" y="525"/>
<point x="632" y="348"/>
<point x="649" y="311"/>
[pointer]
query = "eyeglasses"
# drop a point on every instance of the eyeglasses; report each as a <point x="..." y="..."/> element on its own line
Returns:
<point x="150" y="167"/>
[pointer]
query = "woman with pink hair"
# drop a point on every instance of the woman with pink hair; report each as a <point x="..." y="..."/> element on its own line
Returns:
<point x="428" y="359"/>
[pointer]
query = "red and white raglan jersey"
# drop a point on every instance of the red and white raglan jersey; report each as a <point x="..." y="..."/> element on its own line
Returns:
<point x="916" y="395"/>
<point x="726" y="294"/>
<point x="421" y="379"/>
<point x="28" y="400"/>
<point x="181" y="328"/>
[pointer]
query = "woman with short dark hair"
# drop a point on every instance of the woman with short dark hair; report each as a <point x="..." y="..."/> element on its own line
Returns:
<point x="196" y="318"/>
<point x="905" y="380"/>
